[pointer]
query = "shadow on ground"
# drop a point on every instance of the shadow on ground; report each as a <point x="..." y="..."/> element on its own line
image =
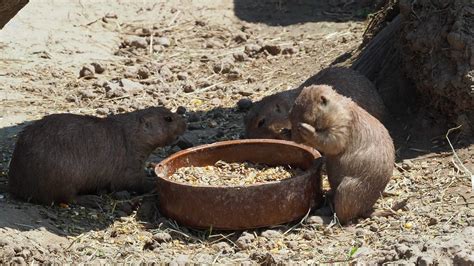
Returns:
<point x="289" y="12"/>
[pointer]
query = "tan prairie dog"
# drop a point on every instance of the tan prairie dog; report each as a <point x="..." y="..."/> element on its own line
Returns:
<point x="359" y="151"/>
<point x="63" y="155"/>
<point x="268" y="118"/>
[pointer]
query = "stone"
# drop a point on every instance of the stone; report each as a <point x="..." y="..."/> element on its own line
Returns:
<point x="245" y="240"/>
<point x="163" y="41"/>
<point x="162" y="237"/>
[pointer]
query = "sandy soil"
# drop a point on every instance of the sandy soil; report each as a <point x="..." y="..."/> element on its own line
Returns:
<point x="203" y="56"/>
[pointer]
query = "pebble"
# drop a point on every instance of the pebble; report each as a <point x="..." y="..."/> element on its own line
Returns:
<point x="166" y="73"/>
<point x="240" y="37"/>
<point x="234" y="74"/>
<point x="18" y="261"/>
<point x="98" y="68"/>
<point x="130" y="86"/>
<point x="102" y="111"/>
<point x="407" y="164"/>
<point x="270" y="234"/>
<point x="239" y="56"/>
<point x="189" y="87"/>
<point x="182" y="76"/>
<point x="222" y="67"/>
<point x="252" y="49"/>
<point x="223" y="247"/>
<point x="162" y="237"/>
<point x="425" y="260"/>
<point x="432" y="221"/>
<point x="87" y="94"/>
<point x="165" y="42"/>
<point x="244" y="104"/>
<point x="143" y="73"/>
<point x="289" y="50"/>
<point x="86" y="72"/>
<point x="245" y="240"/>
<point x="136" y="42"/>
<point x="272" y="49"/>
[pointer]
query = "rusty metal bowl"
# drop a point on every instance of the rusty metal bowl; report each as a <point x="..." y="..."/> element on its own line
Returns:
<point x="241" y="207"/>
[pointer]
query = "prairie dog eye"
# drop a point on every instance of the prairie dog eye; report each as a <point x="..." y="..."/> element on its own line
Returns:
<point x="168" y="119"/>
<point x="278" y="109"/>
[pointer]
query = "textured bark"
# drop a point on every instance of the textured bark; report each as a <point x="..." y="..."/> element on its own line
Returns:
<point x="8" y="9"/>
<point x="427" y="51"/>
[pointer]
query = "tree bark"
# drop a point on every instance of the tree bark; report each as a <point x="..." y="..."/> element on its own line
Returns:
<point x="424" y="56"/>
<point x="8" y="9"/>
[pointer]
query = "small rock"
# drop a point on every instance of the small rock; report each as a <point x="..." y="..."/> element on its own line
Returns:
<point x="223" y="247"/>
<point x="98" y="68"/>
<point x="136" y="42"/>
<point x="87" y="94"/>
<point x="222" y="67"/>
<point x="293" y="245"/>
<point x="162" y="237"/>
<point x="200" y="23"/>
<point x="17" y="249"/>
<point x="425" y="260"/>
<point x="464" y="258"/>
<point x="3" y="242"/>
<point x="245" y="240"/>
<point x="240" y="37"/>
<point x="245" y="93"/>
<point x="166" y="73"/>
<point x="86" y="72"/>
<point x="157" y="48"/>
<point x="252" y="49"/>
<point x="272" y="49"/>
<point x="362" y="251"/>
<point x="373" y="228"/>
<point x="203" y="83"/>
<point x="407" y="164"/>
<point x="102" y="111"/>
<point x="239" y="56"/>
<point x="244" y="104"/>
<point x="143" y="73"/>
<point x="181" y="260"/>
<point x="271" y="234"/>
<point x="181" y="110"/>
<point x="234" y="74"/>
<point x="182" y="76"/>
<point x="216" y="102"/>
<point x="204" y="59"/>
<point x="163" y="41"/>
<point x="131" y="86"/>
<point x="214" y="44"/>
<point x="18" y="261"/>
<point x="189" y="87"/>
<point x="432" y="221"/>
<point x="289" y="50"/>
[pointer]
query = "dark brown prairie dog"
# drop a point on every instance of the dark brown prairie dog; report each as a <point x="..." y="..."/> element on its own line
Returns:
<point x="359" y="151"/>
<point x="268" y="118"/>
<point x="63" y="155"/>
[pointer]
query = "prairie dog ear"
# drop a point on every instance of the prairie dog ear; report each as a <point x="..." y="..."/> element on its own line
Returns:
<point x="324" y="100"/>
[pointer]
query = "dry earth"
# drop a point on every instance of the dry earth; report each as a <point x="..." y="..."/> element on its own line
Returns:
<point x="205" y="56"/>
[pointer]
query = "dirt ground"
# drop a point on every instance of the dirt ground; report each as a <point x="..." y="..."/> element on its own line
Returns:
<point x="205" y="55"/>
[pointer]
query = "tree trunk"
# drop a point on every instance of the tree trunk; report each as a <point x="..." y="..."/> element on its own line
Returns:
<point x="8" y="9"/>
<point x="424" y="49"/>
